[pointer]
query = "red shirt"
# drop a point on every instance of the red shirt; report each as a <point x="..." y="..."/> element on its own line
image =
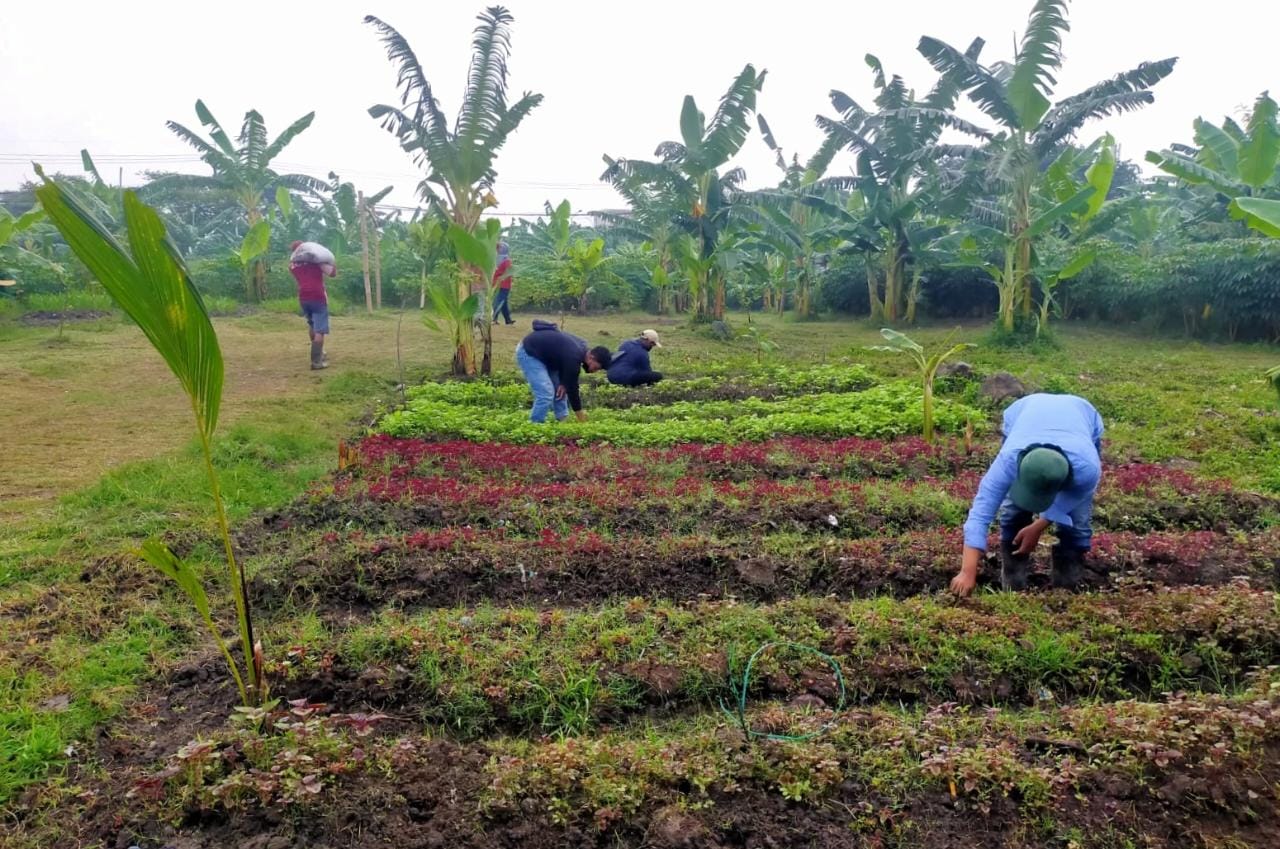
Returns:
<point x="503" y="274"/>
<point x="310" y="279"/>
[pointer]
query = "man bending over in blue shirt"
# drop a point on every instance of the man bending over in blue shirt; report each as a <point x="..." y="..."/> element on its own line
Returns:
<point x="1047" y="471"/>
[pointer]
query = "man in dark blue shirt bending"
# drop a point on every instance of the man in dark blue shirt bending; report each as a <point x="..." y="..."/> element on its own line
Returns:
<point x="631" y="364"/>
<point x="550" y="360"/>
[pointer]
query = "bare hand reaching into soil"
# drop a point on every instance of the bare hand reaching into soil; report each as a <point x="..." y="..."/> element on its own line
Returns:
<point x="963" y="583"/>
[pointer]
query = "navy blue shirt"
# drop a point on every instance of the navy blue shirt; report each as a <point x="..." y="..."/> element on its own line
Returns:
<point x="563" y="355"/>
<point x="1066" y="421"/>
<point x="632" y="358"/>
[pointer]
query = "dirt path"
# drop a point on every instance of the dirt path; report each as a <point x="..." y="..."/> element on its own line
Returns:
<point x="72" y="410"/>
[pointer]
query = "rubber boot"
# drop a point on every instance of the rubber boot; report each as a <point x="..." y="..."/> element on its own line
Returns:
<point x="1013" y="568"/>
<point x="1068" y="563"/>
<point x="318" y="360"/>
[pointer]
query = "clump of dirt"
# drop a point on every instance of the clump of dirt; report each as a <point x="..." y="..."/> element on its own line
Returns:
<point x="44" y="318"/>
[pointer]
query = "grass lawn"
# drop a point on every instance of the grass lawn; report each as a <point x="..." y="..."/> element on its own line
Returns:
<point x="98" y="455"/>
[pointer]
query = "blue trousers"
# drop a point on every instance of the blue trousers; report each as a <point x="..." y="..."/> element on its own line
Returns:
<point x="1077" y="537"/>
<point x="501" y="305"/>
<point x="543" y="383"/>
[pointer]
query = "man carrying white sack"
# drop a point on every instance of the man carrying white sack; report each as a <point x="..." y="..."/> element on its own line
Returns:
<point x="310" y="263"/>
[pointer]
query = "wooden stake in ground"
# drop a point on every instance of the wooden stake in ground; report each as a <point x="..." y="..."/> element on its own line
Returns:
<point x="377" y="261"/>
<point x="364" y="249"/>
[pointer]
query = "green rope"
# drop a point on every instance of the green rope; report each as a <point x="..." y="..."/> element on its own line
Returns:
<point x="741" y="688"/>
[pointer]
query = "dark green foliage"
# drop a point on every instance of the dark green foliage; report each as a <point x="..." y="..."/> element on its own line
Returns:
<point x="1227" y="288"/>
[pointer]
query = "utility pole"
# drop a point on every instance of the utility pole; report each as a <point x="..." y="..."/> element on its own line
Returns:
<point x="364" y="244"/>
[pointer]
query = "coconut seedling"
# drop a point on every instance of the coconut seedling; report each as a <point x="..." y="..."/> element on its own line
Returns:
<point x="928" y="365"/>
<point x="151" y="284"/>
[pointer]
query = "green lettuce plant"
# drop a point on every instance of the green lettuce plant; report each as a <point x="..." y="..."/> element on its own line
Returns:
<point x="151" y="284"/>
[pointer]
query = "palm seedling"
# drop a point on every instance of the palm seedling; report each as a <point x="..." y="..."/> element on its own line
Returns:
<point x="150" y="283"/>
<point x="928" y="365"/>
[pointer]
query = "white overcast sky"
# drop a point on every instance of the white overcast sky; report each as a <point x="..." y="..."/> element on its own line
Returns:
<point x="106" y="76"/>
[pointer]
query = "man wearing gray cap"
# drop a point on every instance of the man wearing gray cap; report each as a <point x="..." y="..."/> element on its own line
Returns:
<point x="631" y="366"/>
<point x="1047" y="471"/>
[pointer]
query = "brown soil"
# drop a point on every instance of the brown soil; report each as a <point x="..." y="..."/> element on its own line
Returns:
<point x="338" y="581"/>
<point x="432" y="801"/>
<point x="44" y="318"/>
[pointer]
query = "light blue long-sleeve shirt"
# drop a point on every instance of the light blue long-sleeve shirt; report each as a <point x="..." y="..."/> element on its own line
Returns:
<point x="1066" y="421"/>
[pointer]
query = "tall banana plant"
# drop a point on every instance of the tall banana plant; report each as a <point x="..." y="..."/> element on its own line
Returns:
<point x="459" y="160"/>
<point x="791" y="220"/>
<point x="150" y="283"/>
<point x="1235" y="162"/>
<point x="651" y="221"/>
<point x="243" y="169"/>
<point x="1031" y="129"/>
<point x="687" y="174"/>
<point x="898" y="155"/>
<point x="11" y="248"/>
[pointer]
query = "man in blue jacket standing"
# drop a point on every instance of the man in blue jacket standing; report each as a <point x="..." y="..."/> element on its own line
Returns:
<point x="631" y="366"/>
<point x="1047" y="471"/>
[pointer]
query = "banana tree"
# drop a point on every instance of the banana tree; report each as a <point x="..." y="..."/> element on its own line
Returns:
<point x="1234" y="162"/>
<point x="650" y="221"/>
<point x="792" y="219"/>
<point x="478" y="260"/>
<point x="242" y="169"/>
<point x="553" y="234"/>
<point x="687" y="175"/>
<point x="459" y="160"/>
<point x="583" y="266"/>
<point x="898" y="158"/>
<point x="454" y="316"/>
<point x="428" y="240"/>
<point x="340" y="213"/>
<point x="902" y="344"/>
<point x="1030" y="127"/>
<point x="11" y="248"/>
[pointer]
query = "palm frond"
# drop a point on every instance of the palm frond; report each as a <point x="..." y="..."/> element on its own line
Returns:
<point x="152" y="286"/>
<point x="486" y="92"/>
<point x="671" y="151"/>
<point x="946" y="89"/>
<point x="427" y="123"/>
<point x="982" y="87"/>
<point x="220" y="163"/>
<point x="821" y="159"/>
<point x="507" y="125"/>
<point x="1060" y="127"/>
<point x="941" y="117"/>
<point x="847" y="136"/>
<point x="847" y="106"/>
<point x="282" y="141"/>
<point x="253" y="140"/>
<point x="1039" y="57"/>
<point x="301" y="183"/>
<point x="216" y="132"/>
<point x="730" y="125"/>
<point x="1141" y="78"/>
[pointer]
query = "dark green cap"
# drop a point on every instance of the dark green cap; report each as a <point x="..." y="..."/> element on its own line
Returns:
<point x="1042" y="474"/>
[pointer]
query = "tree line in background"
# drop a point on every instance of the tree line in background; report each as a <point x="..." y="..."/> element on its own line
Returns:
<point x="1007" y="214"/>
